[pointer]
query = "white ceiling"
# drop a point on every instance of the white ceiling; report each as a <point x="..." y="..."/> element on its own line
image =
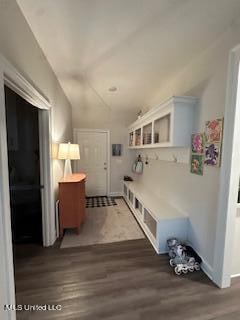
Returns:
<point x="134" y="45"/>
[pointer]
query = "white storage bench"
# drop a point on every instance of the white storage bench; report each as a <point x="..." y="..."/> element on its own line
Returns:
<point x="158" y="219"/>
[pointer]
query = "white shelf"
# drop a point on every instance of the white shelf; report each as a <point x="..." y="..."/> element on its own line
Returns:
<point x="167" y="125"/>
<point x="170" y="222"/>
<point x="152" y="146"/>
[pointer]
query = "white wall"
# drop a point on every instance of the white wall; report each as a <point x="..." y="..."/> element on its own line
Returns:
<point x="19" y="46"/>
<point x="204" y="77"/>
<point x="93" y="113"/>
<point x="236" y="256"/>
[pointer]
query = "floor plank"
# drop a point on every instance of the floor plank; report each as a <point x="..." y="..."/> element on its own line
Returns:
<point x="118" y="281"/>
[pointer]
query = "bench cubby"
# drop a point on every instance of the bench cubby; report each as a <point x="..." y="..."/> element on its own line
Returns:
<point x="158" y="219"/>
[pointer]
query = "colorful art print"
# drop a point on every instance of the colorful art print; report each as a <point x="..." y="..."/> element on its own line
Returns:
<point x="214" y="131"/>
<point x="212" y="154"/>
<point x="197" y="164"/>
<point x="197" y="143"/>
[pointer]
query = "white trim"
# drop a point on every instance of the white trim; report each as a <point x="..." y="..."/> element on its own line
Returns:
<point x="21" y="86"/>
<point x="75" y="130"/>
<point x="48" y="208"/>
<point x="235" y="275"/>
<point x="205" y="266"/>
<point x="7" y="288"/>
<point x="229" y="178"/>
<point x="57" y="218"/>
<point x="116" y="194"/>
<point x="12" y="78"/>
<point x="207" y="269"/>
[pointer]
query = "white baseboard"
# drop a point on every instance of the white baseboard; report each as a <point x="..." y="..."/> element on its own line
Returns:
<point x="205" y="266"/>
<point x="115" y="194"/>
<point x="207" y="269"/>
<point x="235" y="275"/>
<point x="57" y="218"/>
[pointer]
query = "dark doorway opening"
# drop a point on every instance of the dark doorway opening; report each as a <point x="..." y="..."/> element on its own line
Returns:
<point x="24" y="169"/>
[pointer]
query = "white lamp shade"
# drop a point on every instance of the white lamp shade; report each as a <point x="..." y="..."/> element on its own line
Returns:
<point x="74" y="152"/>
<point x="63" y="151"/>
<point x="68" y="151"/>
<point x="55" y="147"/>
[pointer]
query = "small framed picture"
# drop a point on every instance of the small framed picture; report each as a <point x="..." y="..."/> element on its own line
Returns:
<point x="197" y="143"/>
<point x="214" y="131"/>
<point x="116" y="150"/>
<point x="213" y="154"/>
<point x="197" y="164"/>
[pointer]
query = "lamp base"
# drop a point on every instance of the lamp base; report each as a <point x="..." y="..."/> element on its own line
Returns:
<point x="67" y="168"/>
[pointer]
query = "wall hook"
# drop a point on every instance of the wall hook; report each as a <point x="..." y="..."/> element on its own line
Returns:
<point x="146" y="160"/>
<point x="174" y="158"/>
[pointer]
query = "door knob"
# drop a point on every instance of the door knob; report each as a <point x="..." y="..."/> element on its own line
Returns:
<point x="105" y="168"/>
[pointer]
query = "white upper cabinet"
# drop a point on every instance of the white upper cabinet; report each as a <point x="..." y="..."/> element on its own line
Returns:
<point x="167" y="125"/>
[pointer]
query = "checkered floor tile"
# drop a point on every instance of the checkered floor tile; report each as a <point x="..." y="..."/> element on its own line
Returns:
<point x="92" y="202"/>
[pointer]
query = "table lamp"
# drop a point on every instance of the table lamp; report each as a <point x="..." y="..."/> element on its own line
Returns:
<point x="68" y="152"/>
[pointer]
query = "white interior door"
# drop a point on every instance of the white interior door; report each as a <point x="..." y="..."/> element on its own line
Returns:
<point x="93" y="160"/>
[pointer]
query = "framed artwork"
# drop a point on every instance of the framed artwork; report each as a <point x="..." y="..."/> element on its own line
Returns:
<point x="197" y="143"/>
<point x="116" y="150"/>
<point x="212" y="154"/>
<point x="213" y="146"/>
<point x="214" y="131"/>
<point x="197" y="164"/>
<point x="197" y="153"/>
<point x="206" y="147"/>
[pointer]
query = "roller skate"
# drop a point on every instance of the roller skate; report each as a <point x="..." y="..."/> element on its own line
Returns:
<point x="182" y="258"/>
<point x="172" y="244"/>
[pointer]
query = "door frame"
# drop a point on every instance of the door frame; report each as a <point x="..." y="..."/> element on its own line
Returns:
<point x="10" y="77"/>
<point x="229" y="177"/>
<point x="76" y="130"/>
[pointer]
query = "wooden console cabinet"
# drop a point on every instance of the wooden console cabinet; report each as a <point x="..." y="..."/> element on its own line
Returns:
<point x="72" y="201"/>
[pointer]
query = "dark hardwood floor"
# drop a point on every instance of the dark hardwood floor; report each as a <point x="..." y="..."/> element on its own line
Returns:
<point x="117" y="281"/>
